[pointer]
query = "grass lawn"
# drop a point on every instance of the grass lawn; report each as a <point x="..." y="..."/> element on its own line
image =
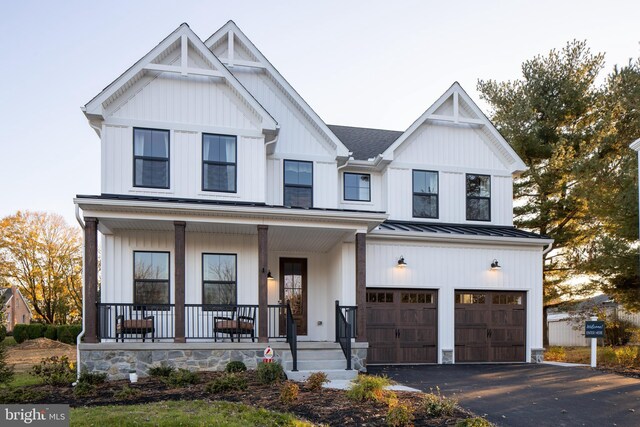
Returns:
<point x="21" y="379"/>
<point x="181" y="413"/>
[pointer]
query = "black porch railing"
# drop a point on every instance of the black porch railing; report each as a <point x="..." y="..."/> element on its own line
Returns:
<point x="292" y="338"/>
<point x="236" y="322"/>
<point x="136" y="322"/>
<point x="345" y="330"/>
<point x="349" y="312"/>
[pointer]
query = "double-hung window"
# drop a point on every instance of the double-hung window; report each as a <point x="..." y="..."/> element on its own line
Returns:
<point x="219" y="284"/>
<point x="357" y="187"/>
<point x="425" y="194"/>
<point x="219" y="163"/>
<point x="298" y="183"/>
<point x="150" y="278"/>
<point x="151" y="158"/>
<point x="478" y="197"/>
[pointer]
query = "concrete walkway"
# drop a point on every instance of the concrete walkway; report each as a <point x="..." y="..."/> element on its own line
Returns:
<point x="530" y="395"/>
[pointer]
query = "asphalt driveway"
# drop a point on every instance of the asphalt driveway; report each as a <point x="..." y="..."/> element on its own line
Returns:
<point x="530" y="394"/>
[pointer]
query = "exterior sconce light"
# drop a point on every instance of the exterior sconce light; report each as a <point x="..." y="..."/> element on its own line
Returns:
<point x="495" y="265"/>
<point x="401" y="262"/>
<point x="269" y="276"/>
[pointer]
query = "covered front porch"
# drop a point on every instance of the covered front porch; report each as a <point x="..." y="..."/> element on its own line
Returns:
<point x="293" y="276"/>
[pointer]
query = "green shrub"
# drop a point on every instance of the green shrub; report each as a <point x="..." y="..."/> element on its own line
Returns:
<point x="51" y="332"/>
<point x="368" y="387"/>
<point x="161" y="371"/>
<point x="399" y="416"/>
<point x="474" y="422"/>
<point x="6" y="371"/>
<point x="126" y="393"/>
<point x="227" y="382"/>
<point x="21" y="395"/>
<point x="69" y="333"/>
<point x="436" y="405"/>
<point x="20" y="333"/>
<point x="92" y="378"/>
<point x="36" y="330"/>
<point x="3" y="332"/>
<point x="55" y="371"/>
<point x="618" y="332"/>
<point x="235" y="366"/>
<point x="289" y="392"/>
<point x="83" y="389"/>
<point x="316" y="381"/>
<point x="626" y="356"/>
<point x="559" y="354"/>
<point x="269" y="373"/>
<point x="181" y="378"/>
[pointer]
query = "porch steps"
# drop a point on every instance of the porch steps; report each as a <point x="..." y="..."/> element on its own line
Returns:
<point x="318" y="357"/>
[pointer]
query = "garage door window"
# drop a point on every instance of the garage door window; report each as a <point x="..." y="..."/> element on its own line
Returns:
<point x="470" y="298"/>
<point x="507" y="299"/>
<point x="379" y="297"/>
<point x="416" y="297"/>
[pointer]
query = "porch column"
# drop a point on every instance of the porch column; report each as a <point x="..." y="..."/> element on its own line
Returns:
<point x="263" y="300"/>
<point x="179" y="253"/>
<point x="361" y="286"/>
<point x="90" y="280"/>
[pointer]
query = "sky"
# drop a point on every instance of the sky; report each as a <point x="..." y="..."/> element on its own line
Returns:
<point x="360" y="63"/>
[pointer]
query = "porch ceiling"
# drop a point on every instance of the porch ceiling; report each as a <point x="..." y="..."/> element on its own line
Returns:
<point x="281" y="238"/>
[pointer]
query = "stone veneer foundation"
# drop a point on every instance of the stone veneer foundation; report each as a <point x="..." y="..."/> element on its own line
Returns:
<point x="117" y="360"/>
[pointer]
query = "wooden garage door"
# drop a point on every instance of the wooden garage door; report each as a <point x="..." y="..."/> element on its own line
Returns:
<point x="402" y="326"/>
<point x="490" y="326"/>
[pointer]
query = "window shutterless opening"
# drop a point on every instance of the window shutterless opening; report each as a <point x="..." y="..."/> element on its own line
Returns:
<point x="219" y="279"/>
<point x="425" y="194"/>
<point x="219" y="163"/>
<point x="298" y="183"/>
<point x="151" y="289"/>
<point x="478" y="197"/>
<point x="150" y="158"/>
<point x="356" y="187"/>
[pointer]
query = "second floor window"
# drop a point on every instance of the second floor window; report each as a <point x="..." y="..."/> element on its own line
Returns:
<point x="425" y="194"/>
<point x="219" y="163"/>
<point x="151" y="158"/>
<point x="478" y="197"/>
<point x="150" y="278"/>
<point x="298" y="183"/>
<point x="357" y="187"/>
<point x="219" y="279"/>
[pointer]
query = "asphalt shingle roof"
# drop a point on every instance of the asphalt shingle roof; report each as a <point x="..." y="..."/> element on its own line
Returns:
<point x="365" y="143"/>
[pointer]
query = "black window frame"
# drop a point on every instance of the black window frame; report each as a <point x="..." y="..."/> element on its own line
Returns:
<point x="344" y="187"/>
<point x="476" y="197"/>
<point x="215" y="282"/>
<point x="152" y="306"/>
<point x="285" y="185"/>
<point x="436" y="194"/>
<point x="211" y="162"/>
<point x="157" y="159"/>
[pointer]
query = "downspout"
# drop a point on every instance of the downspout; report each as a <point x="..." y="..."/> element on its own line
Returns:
<point x="81" y="334"/>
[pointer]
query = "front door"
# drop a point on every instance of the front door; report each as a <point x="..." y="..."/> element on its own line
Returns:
<point x="293" y="288"/>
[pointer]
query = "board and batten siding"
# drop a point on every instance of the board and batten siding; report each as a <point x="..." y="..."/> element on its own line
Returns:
<point x="375" y="183"/>
<point x="185" y="166"/>
<point x="450" y="267"/>
<point x="451" y="196"/>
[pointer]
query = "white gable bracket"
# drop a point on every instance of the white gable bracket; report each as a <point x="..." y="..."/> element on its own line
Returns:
<point x="185" y="71"/>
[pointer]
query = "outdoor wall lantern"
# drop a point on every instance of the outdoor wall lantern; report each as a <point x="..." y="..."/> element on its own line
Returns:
<point x="401" y="262"/>
<point x="269" y="276"/>
<point x="495" y="265"/>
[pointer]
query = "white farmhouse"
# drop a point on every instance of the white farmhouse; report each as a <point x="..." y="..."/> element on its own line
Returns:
<point x="232" y="217"/>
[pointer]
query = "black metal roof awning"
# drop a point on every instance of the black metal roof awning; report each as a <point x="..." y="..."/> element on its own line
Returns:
<point x="460" y="229"/>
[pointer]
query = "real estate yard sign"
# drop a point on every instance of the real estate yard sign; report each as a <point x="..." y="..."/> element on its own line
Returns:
<point x="594" y="329"/>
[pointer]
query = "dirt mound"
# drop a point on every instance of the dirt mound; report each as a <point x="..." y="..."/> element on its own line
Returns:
<point x="23" y="356"/>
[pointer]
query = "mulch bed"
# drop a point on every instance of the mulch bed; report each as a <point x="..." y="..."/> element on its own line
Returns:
<point x="627" y="372"/>
<point x="328" y="406"/>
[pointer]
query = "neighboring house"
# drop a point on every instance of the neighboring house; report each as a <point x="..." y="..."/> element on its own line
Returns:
<point x="566" y="324"/>
<point x="230" y="212"/>
<point x="14" y="307"/>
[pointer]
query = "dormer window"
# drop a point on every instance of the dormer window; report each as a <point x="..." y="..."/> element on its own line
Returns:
<point x="357" y="187"/>
<point x="219" y="169"/>
<point x="425" y="194"/>
<point x="478" y="197"/>
<point x="151" y="158"/>
<point x="298" y="183"/>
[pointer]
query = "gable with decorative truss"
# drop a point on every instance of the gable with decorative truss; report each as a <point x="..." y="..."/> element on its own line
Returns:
<point x="180" y="80"/>
<point x="455" y="117"/>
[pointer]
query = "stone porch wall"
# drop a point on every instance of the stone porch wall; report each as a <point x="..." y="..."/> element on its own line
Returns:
<point x="117" y="360"/>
